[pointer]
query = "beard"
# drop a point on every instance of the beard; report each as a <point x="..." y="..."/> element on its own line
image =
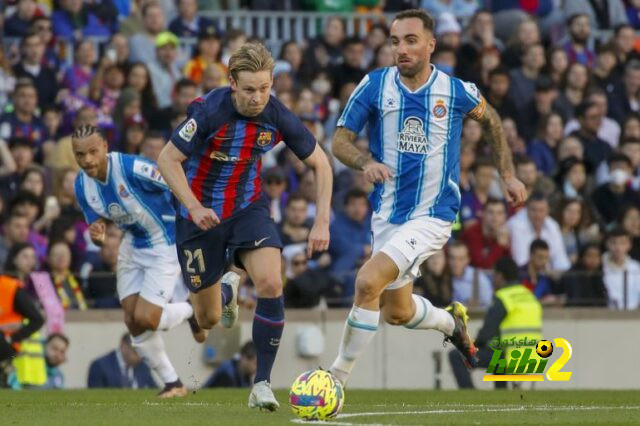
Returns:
<point x="411" y="71"/>
<point x="579" y="39"/>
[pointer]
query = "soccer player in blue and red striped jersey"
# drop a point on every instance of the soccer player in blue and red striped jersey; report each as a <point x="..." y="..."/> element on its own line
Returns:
<point x="224" y="217"/>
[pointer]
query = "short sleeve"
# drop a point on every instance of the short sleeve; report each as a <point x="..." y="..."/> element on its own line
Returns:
<point x="358" y="108"/>
<point x="472" y="102"/>
<point x="294" y="134"/>
<point x="90" y="215"/>
<point x="193" y="130"/>
<point x="145" y="173"/>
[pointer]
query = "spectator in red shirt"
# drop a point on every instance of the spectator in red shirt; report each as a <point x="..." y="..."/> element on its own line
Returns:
<point x="488" y="239"/>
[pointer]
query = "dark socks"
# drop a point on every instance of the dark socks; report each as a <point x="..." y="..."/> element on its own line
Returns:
<point x="267" y="330"/>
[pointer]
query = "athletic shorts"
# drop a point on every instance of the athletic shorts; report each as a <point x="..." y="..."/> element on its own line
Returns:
<point x="153" y="273"/>
<point x="409" y="244"/>
<point x="206" y="255"/>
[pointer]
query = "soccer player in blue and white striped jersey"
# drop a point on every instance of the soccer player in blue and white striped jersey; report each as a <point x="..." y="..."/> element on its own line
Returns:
<point x="414" y="114"/>
<point x="129" y="191"/>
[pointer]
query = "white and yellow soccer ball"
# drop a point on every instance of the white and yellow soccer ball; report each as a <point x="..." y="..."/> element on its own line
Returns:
<point x="316" y="395"/>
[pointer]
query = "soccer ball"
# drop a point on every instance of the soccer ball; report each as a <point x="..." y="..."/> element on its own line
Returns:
<point x="316" y="395"/>
<point x="544" y="348"/>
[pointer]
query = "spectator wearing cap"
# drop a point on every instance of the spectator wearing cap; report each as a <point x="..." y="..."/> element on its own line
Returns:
<point x="164" y="70"/>
<point x="610" y="198"/>
<point x="17" y="25"/>
<point x="184" y="92"/>
<point x="275" y="188"/>
<point x="23" y="122"/>
<point x="32" y="50"/>
<point x="523" y="79"/>
<point x="609" y="130"/>
<point x="142" y="45"/>
<point x="590" y="117"/>
<point x="577" y="47"/>
<point x="532" y="223"/>
<point x="603" y="14"/>
<point x="74" y="21"/>
<point x="208" y="52"/>
<point x="350" y="70"/>
<point x="188" y="23"/>
<point x="625" y="97"/>
<point x="448" y="30"/>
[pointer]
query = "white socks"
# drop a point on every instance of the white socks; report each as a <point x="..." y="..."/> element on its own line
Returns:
<point x="428" y="316"/>
<point x="150" y="347"/>
<point x="359" y="329"/>
<point x="173" y="314"/>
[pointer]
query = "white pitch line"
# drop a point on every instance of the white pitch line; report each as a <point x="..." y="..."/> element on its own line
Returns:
<point x="458" y="411"/>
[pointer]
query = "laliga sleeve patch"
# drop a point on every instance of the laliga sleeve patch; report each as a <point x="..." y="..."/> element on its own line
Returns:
<point x="188" y="130"/>
<point x="148" y="171"/>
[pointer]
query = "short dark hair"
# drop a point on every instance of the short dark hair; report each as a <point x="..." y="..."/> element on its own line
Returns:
<point x="619" y="157"/>
<point x="575" y="16"/>
<point x="295" y="197"/>
<point x="17" y="142"/>
<point x="24" y="83"/>
<point x="499" y="70"/>
<point x="350" y="41"/>
<point x="583" y="107"/>
<point x="86" y="130"/>
<point x="522" y="159"/>
<point x="506" y="267"/>
<point x="618" y="28"/>
<point x="427" y="20"/>
<point x="149" y="5"/>
<point x="491" y="201"/>
<point x="32" y="32"/>
<point x="538" y="244"/>
<point x="481" y="162"/>
<point x="618" y="232"/>
<point x="184" y="82"/>
<point x="457" y="244"/>
<point x="537" y="196"/>
<point x="58" y="335"/>
<point x="354" y="194"/>
<point x="248" y="350"/>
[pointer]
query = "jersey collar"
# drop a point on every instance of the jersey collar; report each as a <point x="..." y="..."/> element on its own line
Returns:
<point x="430" y="80"/>
<point x="106" y="182"/>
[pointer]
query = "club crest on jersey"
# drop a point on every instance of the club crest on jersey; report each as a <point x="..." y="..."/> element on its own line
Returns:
<point x="264" y="138"/>
<point x="188" y="130"/>
<point x="122" y="191"/>
<point x="412" y="137"/>
<point x="439" y="109"/>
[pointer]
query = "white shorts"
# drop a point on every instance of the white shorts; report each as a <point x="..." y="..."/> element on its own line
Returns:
<point x="409" y="244"/>
<point x="153" y="273"/>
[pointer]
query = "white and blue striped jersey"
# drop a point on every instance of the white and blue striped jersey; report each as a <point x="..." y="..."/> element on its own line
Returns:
<point x="416" y="134"/>
<point x="135" y="197"/>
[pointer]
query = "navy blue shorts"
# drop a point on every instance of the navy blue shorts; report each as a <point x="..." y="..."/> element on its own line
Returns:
<point x="206" y="255"/>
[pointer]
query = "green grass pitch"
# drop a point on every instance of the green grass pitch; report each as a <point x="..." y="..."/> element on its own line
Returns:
<point x="228" y="407"/>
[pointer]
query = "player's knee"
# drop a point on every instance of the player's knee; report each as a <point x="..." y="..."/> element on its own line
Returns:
<point x="396" y="316"/>
<point x="366" y="288"/>
<point x="268" y="286"/>
<point x="145" y="320"/>
<point x="129" y="321"/>
<point x="208" y="319"/>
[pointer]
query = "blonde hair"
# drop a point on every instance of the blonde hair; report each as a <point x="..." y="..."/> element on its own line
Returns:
<point x="252" y="57"/>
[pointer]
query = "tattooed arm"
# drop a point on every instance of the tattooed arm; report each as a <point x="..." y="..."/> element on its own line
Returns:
<point x="343" y="149"/>
<point x="494" y="135"/>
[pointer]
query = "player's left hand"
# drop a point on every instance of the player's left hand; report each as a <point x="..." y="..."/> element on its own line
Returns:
<point x="318" y="238"/>
<point x="515" y="191"/>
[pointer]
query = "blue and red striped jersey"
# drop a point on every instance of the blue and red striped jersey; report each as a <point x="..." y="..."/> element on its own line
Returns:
<point x="224" y="149"/>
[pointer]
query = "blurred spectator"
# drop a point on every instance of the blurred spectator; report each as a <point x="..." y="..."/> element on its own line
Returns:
<point x="294" y="229"/>
<point x="577" y="47"/>
<point x="234" y="38"/>
<point x="128" y="105"/>
<point x="62" y="155"/>
<point x="291" y="52"/>
<point x="376" y="37"/>
<point x="183" y="93"/>
<point x="633" y="13"/>
<point x="28" y="204"/>
<point x="325" y="51"/>
<point x="533" y="181"/>
<point x="514" y="140"/>
<point x="74" y="21"/>
<point x="545" y="101"/>
<point x="534" y="223"/>
<point x="629" y="220"/>
<point x="17" y="25"/>
<point x="444" y="59"/>
<point x="527" y="34"/>
<point x="117" y="51"/>
<point x="609" y="130"/>
<point x="590" y="117"/>
<point x="488" y="240"/>
<point x="611" y="197"/>
<point x="120" y="368"/>
<point x="467" y="159"/>
<point x="16" y="231"/>
<point x="23" y="121"/>
<point x="583" y="284"/>
<point x="22" y="261"/>
<point x="435" y="281"/>
<point x="605" y="72"/>
<point x="99" y="275"/>
<point x="77" y="77"/>
<point x="106" y="86"/>
<point x="603" y="14"/>
<point x="275" y="190"/>
<point x="625" y="97"/>
<point x="7" y="80"/>
<point x="32" y="66"/>
<point x="472" y="202"/>
<point x="623" y="42"/>
<point x="569" y="147"/>
<point x="188" y="23"/>
<point x="152" y="145"/>
<point x="574" y="87"/>
<point x="523" y="79"/>
<point x="304" y="286"/>
<point x="350" y="70"/>
<point x="479" y="37"/>
<point x="576" y="226"/>
<point x="164" y="69"/>
<point x="66" y="285"/>
<point x="350" y="246"/>
<point x="462" y="9"/>
<point x="43" y="26"/>
<point x="535" y="274"/>
<point x="498" y="91"/>
<point x="621" y="273"/>
<point x="139" y="79"/>
<point x="470" y="286"/>
<point x="208" y="53"/>
<point x="557" y="64"/>
<point x="133" y="129"/>
<point x="237" y="372"/>
<point x="55" y="354"/>
<point x="542" y="149"/>
<point x="571" y="178"/>
<point x="142" y="45"/>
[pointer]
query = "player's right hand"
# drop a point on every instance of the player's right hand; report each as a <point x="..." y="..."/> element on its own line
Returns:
<point x="376" y="172"/>
<point x="97" y="231"/>
<point x="203" y="217"/>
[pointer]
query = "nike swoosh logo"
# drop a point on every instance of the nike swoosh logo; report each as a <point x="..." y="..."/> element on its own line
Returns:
<point x="258" y="242"/>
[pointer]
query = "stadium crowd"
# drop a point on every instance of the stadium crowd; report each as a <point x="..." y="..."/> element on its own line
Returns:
<point x="564" y="76"/>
